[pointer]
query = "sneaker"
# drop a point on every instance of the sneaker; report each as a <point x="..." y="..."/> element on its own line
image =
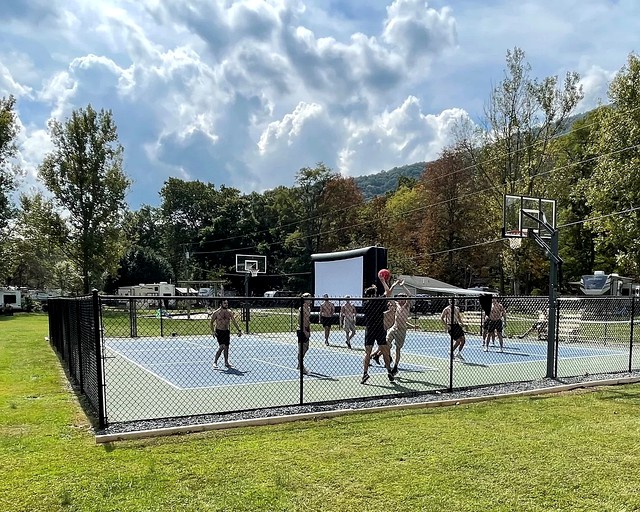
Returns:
<point x="486" y="349"/>
<point x="500" y="350"/>
<point x="365" y="378"/>
<point x="460" y="356"/>
<point x="390" y="375"/>
<point x="228" y="365"/>
<point x="215" y="365"/>
<point x="348" y="345"/>
<point x="376" y="358"/>
<point x="305" y="370"/>
<point x="394" y="371"/>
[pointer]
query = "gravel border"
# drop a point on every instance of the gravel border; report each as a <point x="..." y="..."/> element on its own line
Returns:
<point x="354" y="405"/>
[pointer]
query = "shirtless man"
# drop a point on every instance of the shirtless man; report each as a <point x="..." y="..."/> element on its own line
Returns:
<point x="304" y="330"/>
<point x="327" y="310"/>
<point x="388" y="315"/>
<point x="398" y="331"/>
<point x="220" y="323"/>
<point x="454" y="326"/>
<point x="347" y="319"/>
<point x="497" y="316"/>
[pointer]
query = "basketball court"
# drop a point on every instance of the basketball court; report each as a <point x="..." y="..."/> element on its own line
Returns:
<point x="175" y="376"/>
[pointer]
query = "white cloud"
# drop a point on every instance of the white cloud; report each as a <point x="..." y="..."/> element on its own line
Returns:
<point x="402" y="136"/>
<point x="595" y="85"/>
<point x="417" y="30"/>
<point x="247" y="92"/>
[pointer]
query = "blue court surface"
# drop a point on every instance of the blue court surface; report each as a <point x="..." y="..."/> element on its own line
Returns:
<point x="187" y="363"/>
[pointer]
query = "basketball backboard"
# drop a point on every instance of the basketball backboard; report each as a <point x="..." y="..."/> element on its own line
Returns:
<point x="522" y="213"/>
<point x="251" y="263"/>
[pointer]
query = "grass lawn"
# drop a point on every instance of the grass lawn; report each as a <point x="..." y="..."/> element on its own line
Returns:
<point x="577" y="451"/>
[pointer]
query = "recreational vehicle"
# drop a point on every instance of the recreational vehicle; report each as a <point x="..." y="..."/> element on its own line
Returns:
<point x="10" y="299"/>
<point x="161" y="289"/>
<point x="599" y="283"/>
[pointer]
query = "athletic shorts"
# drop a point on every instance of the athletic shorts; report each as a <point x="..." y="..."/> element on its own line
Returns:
<point x="349" y="324"/>
<point x="326" y="320"/>
<point x="495" y="325"/>
<point x="456" y="331"/>
<point x="223" y="337"/>
<point x="397" y="335"/>
<point x="375" y="336"/>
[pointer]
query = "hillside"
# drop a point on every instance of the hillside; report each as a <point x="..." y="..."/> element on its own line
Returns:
<point x="382" y="182"/>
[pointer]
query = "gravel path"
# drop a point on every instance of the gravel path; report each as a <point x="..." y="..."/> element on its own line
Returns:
<point x="488" y="391"/>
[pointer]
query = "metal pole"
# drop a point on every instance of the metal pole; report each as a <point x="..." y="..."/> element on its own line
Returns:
<point x="451" y="320"/>
<point x="102" y="413"/>
<point x="553" y="286"/>
<point x="300" y="355"/>
<point x="246" y="302"/>
<point x="633" y="314"/>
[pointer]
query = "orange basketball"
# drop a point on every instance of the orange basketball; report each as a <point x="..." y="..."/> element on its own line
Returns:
<point x="384" y="274"/>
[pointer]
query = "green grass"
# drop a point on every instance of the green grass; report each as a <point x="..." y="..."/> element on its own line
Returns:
<point x="577" y="451"/>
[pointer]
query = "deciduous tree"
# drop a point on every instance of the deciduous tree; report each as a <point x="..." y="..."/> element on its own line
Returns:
<point x="85" y="175"/>
<point x="613" y="191"/>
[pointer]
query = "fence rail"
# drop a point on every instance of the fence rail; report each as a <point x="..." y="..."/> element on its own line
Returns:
<point x="141" y="358"/>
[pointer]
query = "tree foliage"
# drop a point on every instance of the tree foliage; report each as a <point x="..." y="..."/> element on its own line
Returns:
<point x="140" y="265"/>
<point x="84" y="173"/>
<point x="8" y="133"/>
<point x="440" y="219"/>
<point x="615" y="183"/>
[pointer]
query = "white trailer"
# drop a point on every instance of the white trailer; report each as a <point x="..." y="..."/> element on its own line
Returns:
<point x="10" y="299"/>
<point x="162" y="289"/>
<point x="615" y="285"/>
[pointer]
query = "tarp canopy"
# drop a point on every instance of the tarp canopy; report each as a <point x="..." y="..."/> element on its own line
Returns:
<point x="428" y="285"/>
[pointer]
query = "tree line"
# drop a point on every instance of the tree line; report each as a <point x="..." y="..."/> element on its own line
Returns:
<point x="445" y="223"/>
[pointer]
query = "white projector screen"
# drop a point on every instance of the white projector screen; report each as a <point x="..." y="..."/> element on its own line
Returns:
<point x="338" y="278"/>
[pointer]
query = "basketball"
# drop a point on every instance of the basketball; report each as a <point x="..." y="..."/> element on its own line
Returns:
<point x="384" y="274"/>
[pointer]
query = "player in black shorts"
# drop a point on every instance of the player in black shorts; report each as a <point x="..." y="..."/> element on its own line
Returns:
<point x="454" y="326"/>
<point x="375" y="333"/>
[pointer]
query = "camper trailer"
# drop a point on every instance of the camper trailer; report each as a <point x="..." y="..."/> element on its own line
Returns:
<point x="599" y="283"/>
<point x="161" y="289"/>
<point x="10" y="300"/>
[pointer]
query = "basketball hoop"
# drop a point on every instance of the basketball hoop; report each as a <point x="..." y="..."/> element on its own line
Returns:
<point x="253" y="272"/>
<point x="515" y="239"/>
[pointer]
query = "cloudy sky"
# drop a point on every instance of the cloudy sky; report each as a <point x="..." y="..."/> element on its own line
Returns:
<point x="246" y="92"/>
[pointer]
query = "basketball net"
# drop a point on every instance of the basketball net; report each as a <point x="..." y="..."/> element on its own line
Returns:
<point x="253" y="272"/>
<point x="515" y="242"/>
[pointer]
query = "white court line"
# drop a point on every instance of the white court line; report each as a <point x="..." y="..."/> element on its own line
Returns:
<point x="146" y="369"/>
<point x="274" y="364"/>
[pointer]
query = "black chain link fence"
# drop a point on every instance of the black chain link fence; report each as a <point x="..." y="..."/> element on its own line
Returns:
<point x="159" y="359"/>
<point x="74" y="333"/>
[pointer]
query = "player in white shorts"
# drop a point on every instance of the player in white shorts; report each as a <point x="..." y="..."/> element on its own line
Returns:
<point x="398" y="331"/>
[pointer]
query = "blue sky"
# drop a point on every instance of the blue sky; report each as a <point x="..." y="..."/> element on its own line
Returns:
<point x="245" y="93"/>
